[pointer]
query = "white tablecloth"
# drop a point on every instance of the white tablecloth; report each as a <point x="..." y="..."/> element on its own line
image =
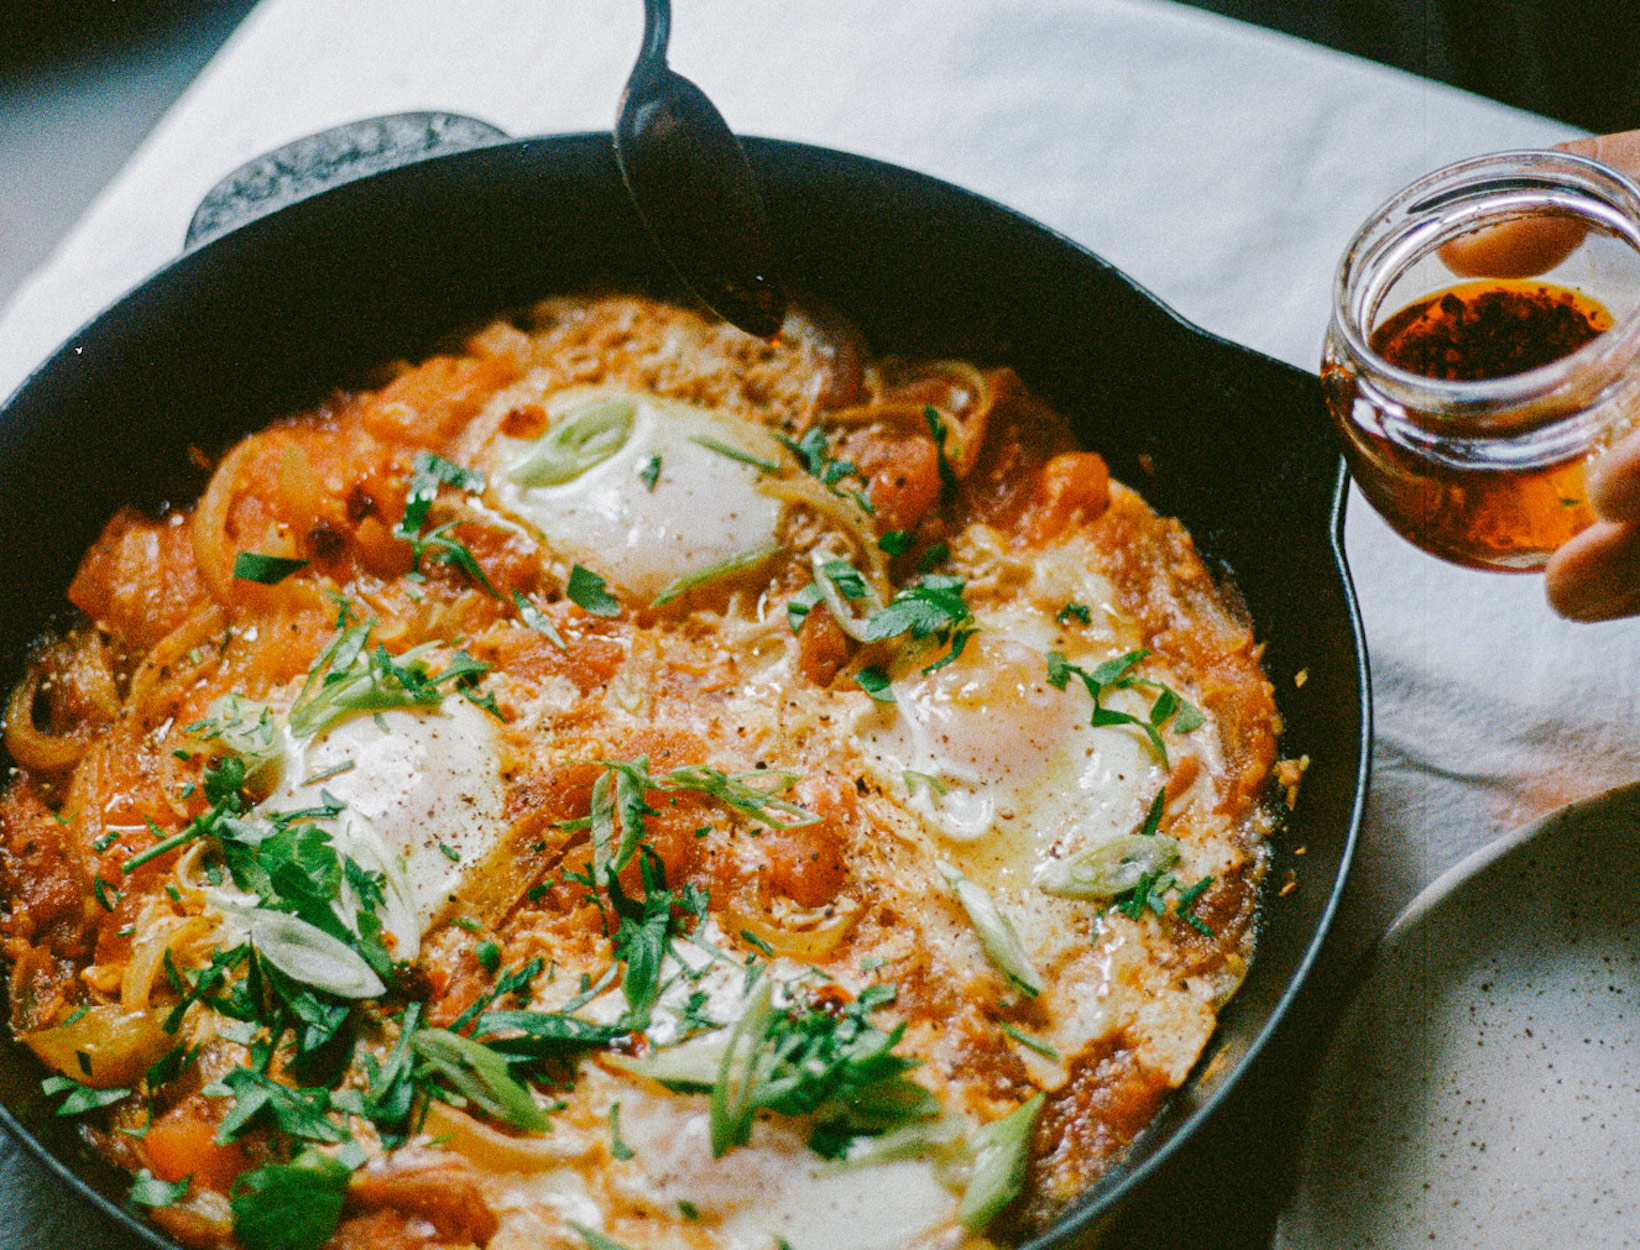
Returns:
<point x="1222" y="166"/>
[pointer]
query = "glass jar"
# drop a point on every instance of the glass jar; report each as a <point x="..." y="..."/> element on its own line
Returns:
<point x="1488" y="472"/>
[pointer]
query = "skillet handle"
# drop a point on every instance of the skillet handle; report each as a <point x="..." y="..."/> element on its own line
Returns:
<point x="331" y="157"/>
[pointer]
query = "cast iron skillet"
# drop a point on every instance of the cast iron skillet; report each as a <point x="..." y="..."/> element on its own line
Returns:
<point x="268" y="315"/>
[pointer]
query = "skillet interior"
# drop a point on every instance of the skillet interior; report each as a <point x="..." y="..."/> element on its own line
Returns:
<point x="268" y="317"/>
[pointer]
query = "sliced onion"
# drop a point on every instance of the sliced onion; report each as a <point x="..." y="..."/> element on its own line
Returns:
<point x="308" y="954"/>
<point x="1106" y="870"/>
<point x="998" y="937"/>
<point x="495" y="1151"/>
<point x="156" y="934"/>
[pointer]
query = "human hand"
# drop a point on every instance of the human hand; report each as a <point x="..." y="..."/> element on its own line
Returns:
<point x="1596" y="575"/>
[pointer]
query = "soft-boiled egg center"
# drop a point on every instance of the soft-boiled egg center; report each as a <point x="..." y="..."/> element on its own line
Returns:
<point x="632" y="486"/>
<point x="421" y="789"/>
<point x="1002" y="761"/>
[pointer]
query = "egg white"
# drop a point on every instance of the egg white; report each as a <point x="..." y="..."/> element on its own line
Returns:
<point x="1023" y="772"/>
<point x="412" y="782"/>
<point x="704" y="507"/>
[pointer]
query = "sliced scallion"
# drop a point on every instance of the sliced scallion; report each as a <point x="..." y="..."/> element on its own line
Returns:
<point x="1002" y="1150"/>
<point x="575" y="444"/>
<point x="308" y="954"/>
<point x="996" y="935"/>
<point x="1106" y="870"/>
<point x="712" y="572"/>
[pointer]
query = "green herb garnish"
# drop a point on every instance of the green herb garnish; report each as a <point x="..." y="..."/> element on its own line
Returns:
<point x="928" y="781"/>
<point x="349" y="678"/>
<point x="1074" y="611"/>
<point x="289" y="1206"/>
<point x="801" y="604"/>
<point x="589" y="591"/>
<point x="81" y="1098"/>
<point x="813" y="453"/>
<point x="1033" y="1043"/>
<point x="538" y="620"/>
<point x="594" y="1239"/>
<point x="711" y="573"/>
<point x="428" y="475"/>
<point x="1184" y="907"/>
<point x="650" y="474"/>
<point x="1118" y="674"/>
<point x="874" y="681"/>
<point x="147" y="1190"/>
<point x="480" y="1075"/>
<point x="618" y="1148"/>
<point x="734" y="453"/>
<point x="938" y="431"/>
<point x="248" y="566"/>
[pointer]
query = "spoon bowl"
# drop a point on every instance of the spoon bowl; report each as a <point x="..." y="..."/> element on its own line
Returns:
<point x="694" y="190"/>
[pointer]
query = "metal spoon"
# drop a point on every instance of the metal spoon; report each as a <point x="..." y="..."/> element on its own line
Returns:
<point x="694" y="189"/>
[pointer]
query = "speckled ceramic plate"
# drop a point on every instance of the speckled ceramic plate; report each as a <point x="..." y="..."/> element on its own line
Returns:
<point x="1484" y="1087"/>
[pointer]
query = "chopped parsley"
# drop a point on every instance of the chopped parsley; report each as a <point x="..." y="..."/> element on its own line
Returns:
<point x="248" y="566"/>
<point x="832" y="1065"/>
<point x="813" y="453"/>
<point x="348" y="677"/>
<point x="589" y="592"/>
<point x="1169" y="711"/>
<point x="895" y="542"/>
<point x="874" y="681"/>
<point x="289" y="1206"/>
<point x="1074" y="611"/>
<point x="428" y="475"/>
<point x="801" y="604"/>
<point x="81" y="1098"/>
<point x="938" y="431"/>
<point x="650" y="474"/>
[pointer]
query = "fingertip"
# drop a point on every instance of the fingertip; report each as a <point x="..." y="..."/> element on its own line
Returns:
<point x="1596" y="576"/>
<point x="1613" y="481"/>
<point x="1515" y="249"/>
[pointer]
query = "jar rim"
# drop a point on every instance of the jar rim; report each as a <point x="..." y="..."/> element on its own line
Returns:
<point x="1455" y="200"/>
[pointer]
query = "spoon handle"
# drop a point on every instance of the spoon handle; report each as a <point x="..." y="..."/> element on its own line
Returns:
<point x="657" y="31"/>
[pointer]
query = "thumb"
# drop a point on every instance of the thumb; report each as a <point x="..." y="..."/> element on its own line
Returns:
<point x="1525" y="248"/>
